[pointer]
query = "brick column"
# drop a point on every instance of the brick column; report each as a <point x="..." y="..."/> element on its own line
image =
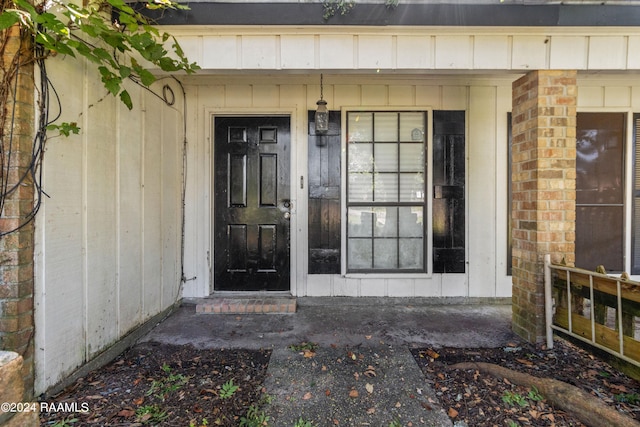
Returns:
<point x="543" y="174"/>
<point x="16" y="248"/>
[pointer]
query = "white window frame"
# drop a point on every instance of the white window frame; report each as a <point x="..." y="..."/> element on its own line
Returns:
<point x="428" y="192"/>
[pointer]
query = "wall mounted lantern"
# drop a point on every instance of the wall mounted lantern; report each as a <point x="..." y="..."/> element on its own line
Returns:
<point x="322" y="114"/>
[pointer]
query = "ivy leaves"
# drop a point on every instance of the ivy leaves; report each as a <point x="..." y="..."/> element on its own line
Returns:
<point x="112" y="45"/>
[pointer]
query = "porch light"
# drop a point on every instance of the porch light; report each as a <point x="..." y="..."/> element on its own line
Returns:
<point x="322" y="114"/>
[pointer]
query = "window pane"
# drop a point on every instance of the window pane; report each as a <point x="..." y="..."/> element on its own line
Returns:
<point x="386" y="222"/>
<point x="386" y="127"/>
<point x="411" y="187"/>
<point x="411" y="222"/>
<point x="412" y="127"/>
<point x="411" y="158"/>
<point x="384" y="177"/>
<point x="360" y="127"/>
<point x="359" y="253"/>
<point x="387" y="157"/>
<point x="360" y="157"/>
<point x="360" y="187"/>
<point x="386" y="187"/>
<point x="385" y="254"/>
<point x="359" y="222"/>
<point x="411" y="253"/>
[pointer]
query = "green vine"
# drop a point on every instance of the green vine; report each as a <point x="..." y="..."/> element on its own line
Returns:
<point x="64" y="28"/>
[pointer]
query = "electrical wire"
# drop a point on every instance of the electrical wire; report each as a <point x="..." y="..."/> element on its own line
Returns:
<point x="33" y="172"/>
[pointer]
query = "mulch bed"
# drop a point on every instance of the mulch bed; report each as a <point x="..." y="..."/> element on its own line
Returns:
<point x="477" y="399"/>
<point x="158" y="384"/>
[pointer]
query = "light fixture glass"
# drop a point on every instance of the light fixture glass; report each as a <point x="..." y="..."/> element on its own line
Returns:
<point x="322" y="114"/>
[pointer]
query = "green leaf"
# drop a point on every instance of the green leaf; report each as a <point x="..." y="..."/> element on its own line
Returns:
<point x="110" y="80"/>
<point x="26" y="6"/>
<point x="7" y="19"/>
<point x="146" y="77"/>
<point x="124" y="71"/>
<point x="126" y="99"/>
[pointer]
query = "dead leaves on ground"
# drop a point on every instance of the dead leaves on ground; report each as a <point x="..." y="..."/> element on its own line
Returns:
<point x="479" y="399"/>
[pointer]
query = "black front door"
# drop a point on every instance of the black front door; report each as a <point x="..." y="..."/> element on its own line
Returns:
<point x="251" y="203"/>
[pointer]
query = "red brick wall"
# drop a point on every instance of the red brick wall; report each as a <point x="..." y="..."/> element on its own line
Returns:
<point x="543" y="174"/>
<point x="16" y="249"/>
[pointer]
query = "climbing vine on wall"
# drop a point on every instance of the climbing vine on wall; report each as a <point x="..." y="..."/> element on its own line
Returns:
<point x="113" y="35"/>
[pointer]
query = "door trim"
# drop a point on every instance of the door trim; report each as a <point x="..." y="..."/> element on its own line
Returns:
<point x="209" y="186"/>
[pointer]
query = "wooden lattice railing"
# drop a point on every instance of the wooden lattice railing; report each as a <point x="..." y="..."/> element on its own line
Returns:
<point x="591" y="306"/>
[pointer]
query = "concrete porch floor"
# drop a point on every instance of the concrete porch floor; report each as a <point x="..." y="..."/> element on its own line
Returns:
<point x="344" y="321"/>
<point x="381" y="330"/>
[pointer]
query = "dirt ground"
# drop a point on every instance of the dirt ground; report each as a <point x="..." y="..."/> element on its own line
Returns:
<point x="159" y="384"/>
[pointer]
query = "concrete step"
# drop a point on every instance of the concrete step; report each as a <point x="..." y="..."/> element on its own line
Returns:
<point x="246" y="305"/>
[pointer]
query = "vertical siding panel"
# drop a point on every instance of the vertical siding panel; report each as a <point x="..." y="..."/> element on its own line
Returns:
<point x="171" y="146"/>
<point x="453" y="52"/>
<point x="568" y="53"/>
<point x="635" y="98"/>
<point x="101" y="206"/>
<point x="375" y="52"/>
<point x="130" y="227"/>
<point x="617" y="96"/>
<point x="265" y="95"/>
<point x="454" y="97"/>
<point x="259" y="52"/>
<point x="529" y="52"/>
<point x="336" y="52"/>
<point x="237" y="96"/>
<point x="196" y="211"/>
<point x="414" y="52"/>
<point x="297" y="51"/>
<point x="590" y="96"/>
<point x="220" y="52"/>
<point x="607" y="53"/>
<point x="290" y="95"/>
<point x="152" y="206"/>
<point x="503" y="210"/>
<point x="401" y="95"/>
<point x="633" y="47"/>
<point x="346" y="95"/>
<point x="481" y="192"/>
<point x="429" y="96"/>
<point x="491" y="52"/>
<point x="374" y="95"/>
<point x="59" y="287"/>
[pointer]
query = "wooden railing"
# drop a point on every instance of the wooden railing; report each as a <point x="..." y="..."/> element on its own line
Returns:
<point x="593" y="307"/>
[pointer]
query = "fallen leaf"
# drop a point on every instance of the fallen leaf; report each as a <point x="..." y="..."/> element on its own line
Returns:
<point x="398" y="404"/>
<point x="197" y="409"/>
<point x="139" y="401"/>
<point x="525" y="362"/>
<point x="126" y="413"/>
<point x="353" y="393"/>
<point x="324" y="368"/>
<point x="356" y="376"/>
<point x="370" y="371"/>
<point x="368" y="337"/>
<point x="308" y="354"/>
<point x="369" y="388"/>
<point x="371" y="411"/>
<point x="306" y="396"/>
<point x="335" y="422"/>
<point x="327" y="392"/>
<point x="453" y="413"/>
<point x="426" y="406"/>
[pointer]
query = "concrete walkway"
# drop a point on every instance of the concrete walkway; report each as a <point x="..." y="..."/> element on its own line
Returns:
<point x="362" y="372"/>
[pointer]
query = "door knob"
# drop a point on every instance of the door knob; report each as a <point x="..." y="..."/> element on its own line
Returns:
<point x="287" y="215"/>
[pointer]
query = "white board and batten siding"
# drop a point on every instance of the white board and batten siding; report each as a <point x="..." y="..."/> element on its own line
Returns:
<point x="108" y="237"/>
<point x="409" y="49"/>
<point x="486" y="100"/>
